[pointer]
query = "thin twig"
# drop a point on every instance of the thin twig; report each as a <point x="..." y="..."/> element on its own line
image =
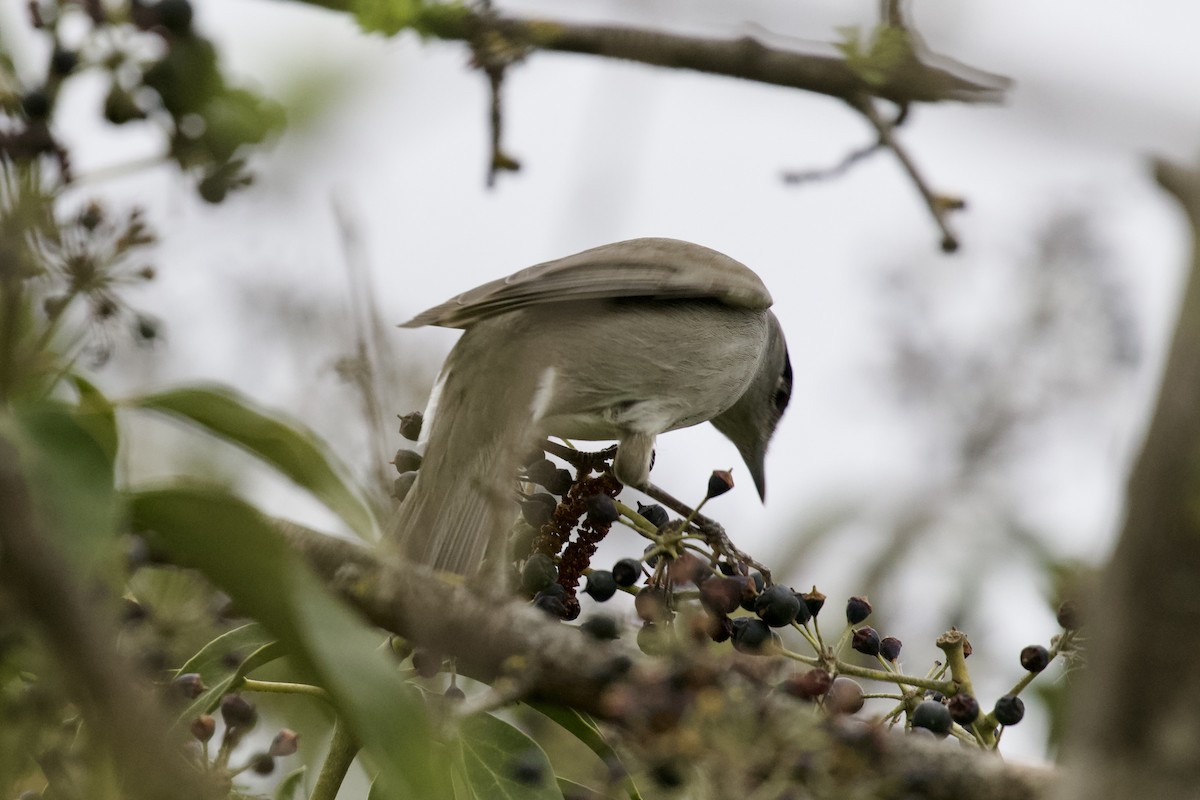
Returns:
<point x="940" y="206"/>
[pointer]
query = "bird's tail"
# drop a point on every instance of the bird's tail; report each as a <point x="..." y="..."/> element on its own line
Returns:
<point x="462" y="502"/>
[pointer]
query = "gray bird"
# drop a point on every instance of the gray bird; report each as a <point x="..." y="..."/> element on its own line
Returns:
<point x="624" y="341"/>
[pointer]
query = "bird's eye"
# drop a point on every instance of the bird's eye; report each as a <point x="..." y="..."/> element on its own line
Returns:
<point x="783" y="389"/>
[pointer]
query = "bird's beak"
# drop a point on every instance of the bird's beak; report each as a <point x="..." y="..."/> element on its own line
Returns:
<point x="756" y="463"/>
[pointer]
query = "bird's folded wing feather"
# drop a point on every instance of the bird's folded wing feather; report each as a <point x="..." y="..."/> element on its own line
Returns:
<point x="653" y="268"/>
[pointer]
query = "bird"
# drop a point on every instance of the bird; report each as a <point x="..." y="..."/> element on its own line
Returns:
<point x="619" y="342"/>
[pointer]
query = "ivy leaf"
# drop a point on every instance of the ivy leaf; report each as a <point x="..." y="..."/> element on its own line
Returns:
<point x="502" y="763"/>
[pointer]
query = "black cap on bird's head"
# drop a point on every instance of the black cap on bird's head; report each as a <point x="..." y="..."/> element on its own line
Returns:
<point x="750" y="422"/>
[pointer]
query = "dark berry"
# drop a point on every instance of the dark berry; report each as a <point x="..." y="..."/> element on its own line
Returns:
<point x="63" y="62"/>
<point x="601" y="585"/>
<point x="175" y="16"/>
<point x="803" y="613"/>
<point x="627" y="571"/>
<point x="538" y="573"/>
<point x="814" y="600"/>
<point x="809" y="685"/>
<point x="866" y="641"/>
<point x="1068" y="615"/>
<point x="750" y="635"/>
<point x="845" y="696"/>
<point x="189" y="685"/>
<point x="718" y="627"/>
<point x="552" y="604"/>
<point x="262" y="763"/>
<point x="964" y="709"/>
<point x="601" y="626"/>
<point x="933" y="694"/>
<point x="36" y="104"/>
<point x="889" y="647"/>
<point x="403" y="485"/>
<point x="410" y="425"/>
<point x="602" y="510"/>
<point x="777" y="606"/>
<point x="560" y="483"/>
<point x="655" y="514"/>
<point x="541" y="471"/>
<point x="407" y="461"/>
<point x="933" y="717"/>
<point x="857" y="610"/>
<point x="1009" y="710"/>
<point x="237" y="711"/>
<point x="720" y="482"/>
<point x="1035" y="658"/>
<point x="751" y="589"/>
<point x="536" y="512"/>
<point x="723" y="595"/>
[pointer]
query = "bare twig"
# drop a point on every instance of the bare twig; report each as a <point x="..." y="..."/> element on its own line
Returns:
<point x="939" y="205"/>
<point x="837" y="170"/>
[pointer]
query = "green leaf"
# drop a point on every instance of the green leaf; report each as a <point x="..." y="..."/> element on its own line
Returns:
<point x="70" y="478"/>
<point x="96" y="416"/>
<point x="212" y="664"/>
<point x="578" y="790"/>
<point x="289" y="447"/>
<point x="240" y="550"/>
<point x="286" y="790"/>
<point x="502" y="763"/>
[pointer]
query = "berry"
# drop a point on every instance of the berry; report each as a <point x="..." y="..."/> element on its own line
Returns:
<point x="751" y="589"/>
<point x="403" y="485"/>
<point x="845" y="696"/>
<point x="285" y="743"/>
<point x="175" y="16"/>
<point x="601" y="626"/>
<point x="189" y="685"/>
<point x="602" y="510"/>
<point x="777" y="606"/>
<point x="933" y="717"/>
<point x="750" y="635"/>
<point x="203" y="727"/>
<point x="552" y="604"/>
<point x="653" y="639"/>
<point x="809" y="685"/>
<point x="538" y="573"/>
<point x="238" y="712"/>
<point x="857" y="610"/>
<point x="560" y="483"/>
<point x="889" y="648"/>
<point x="410" y="425"/>
<point x="964" y="709"/>
<point x="804" y="613"/>
<point x="627" y="571"/>
<point x="814" y="600"/>
<point x="866" y="641"/>
<point x="1035" y="658"/>
<point x="1068" y="615"/>
<point x="262" y="763"/>
<point x="63" y="62"/>
<point x="720" y="482"/>
<point x="36" y="104"/>
<point x="655" y="514"/>
<point x="1009" y="710"/>
<point x="601" y="585"/>
<point x="538" y="509"/>
<point x="407" y="461"/>
<point x="723" y="595"/>
<point x="651" y="604"/>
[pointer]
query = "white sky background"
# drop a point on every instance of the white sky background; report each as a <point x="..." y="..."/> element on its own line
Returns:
<point x="613" y="151"/>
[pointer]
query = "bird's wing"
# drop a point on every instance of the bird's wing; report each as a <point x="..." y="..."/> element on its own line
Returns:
<point x="653" y="268"/>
